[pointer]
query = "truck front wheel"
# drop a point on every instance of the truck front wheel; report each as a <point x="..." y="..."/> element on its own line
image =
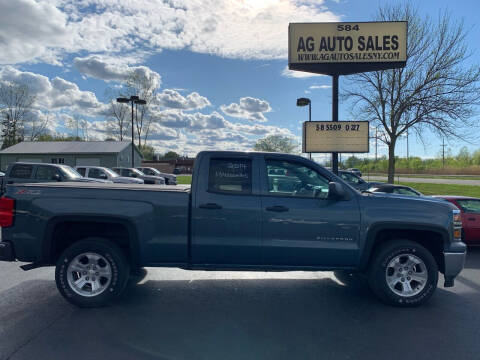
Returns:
<point x="403" y="273"/>
<point x="91" y="272"/>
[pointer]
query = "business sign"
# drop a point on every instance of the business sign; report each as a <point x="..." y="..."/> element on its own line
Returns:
<point x="339" y="136"/>
<point x="347" y="48"/>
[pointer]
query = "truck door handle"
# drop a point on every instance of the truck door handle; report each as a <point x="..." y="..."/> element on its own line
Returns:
<point x="211" y="206"/>
<point x="277" y="208"/>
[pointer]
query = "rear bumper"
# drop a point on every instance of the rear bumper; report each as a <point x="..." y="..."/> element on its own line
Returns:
<point x="454" y="263"/>
<point x="6" y="251"/>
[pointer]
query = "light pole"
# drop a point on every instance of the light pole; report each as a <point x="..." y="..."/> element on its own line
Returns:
<point x="133" y="100"/>
<point x="305" y="102"/>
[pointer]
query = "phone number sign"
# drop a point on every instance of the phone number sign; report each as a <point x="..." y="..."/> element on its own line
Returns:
<point x="341" y="136"/>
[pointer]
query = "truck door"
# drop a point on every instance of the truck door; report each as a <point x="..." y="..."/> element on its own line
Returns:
<point x="226" y="225"/>
<point x="301" y="225"/>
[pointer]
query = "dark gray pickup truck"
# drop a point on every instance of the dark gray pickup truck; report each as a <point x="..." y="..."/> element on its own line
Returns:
<point x="244" y="211"/>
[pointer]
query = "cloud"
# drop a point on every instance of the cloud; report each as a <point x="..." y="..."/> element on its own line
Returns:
<point x="315" y="87"/>
<point x="55" y="94"/>
<point x="173" y="99"/>
<point x="250" y="29"/>
<point x="286" y="72"/>
<point x="112" y="70"/>
<point x="248" y="108"/>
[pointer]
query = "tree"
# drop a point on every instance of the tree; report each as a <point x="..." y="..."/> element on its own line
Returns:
<point x="118" y="122"/>
<point x="15" y="106"/>
<point x="435" y="91"/>
<point x="171" y="155"/>
<point x="145" y="87"/>
<point x="276" y="143"/>
<point x="148" y="152"/>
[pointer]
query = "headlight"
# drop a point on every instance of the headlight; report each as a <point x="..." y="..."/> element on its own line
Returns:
<point x="457" y="225"/>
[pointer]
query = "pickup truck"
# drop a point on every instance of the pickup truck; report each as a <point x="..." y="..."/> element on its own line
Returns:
<point x="243" y="211"/>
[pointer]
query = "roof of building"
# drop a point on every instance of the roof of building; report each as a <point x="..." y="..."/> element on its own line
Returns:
<point x="66" y="147"/>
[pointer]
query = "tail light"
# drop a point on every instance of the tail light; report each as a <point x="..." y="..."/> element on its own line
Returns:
<point x="6" y="211"/>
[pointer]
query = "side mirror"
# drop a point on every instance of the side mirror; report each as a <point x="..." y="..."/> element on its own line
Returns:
<point x="103" y="176"/>
<point x="336" y="191"/>
<point x="56" y="177"/>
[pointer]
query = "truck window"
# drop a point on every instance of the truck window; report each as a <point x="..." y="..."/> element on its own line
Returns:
<point x="81" y="171"/>
<point x="21" y="171"/>
<point x="45" y="173"/>
<point x="287" y="178"/>
<point x="95" y="173"/>
<point x="232" y="176"/>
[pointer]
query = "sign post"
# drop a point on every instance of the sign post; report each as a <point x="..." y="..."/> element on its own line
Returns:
<point x="346" y="48"/>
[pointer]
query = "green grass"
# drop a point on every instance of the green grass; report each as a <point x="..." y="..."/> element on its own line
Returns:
<point x="426" y="176"/>
<point x="184" y="179"/>
<point x="445" y="189"/>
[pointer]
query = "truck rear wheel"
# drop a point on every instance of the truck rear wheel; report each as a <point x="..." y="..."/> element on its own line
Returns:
<point x="91" y="272"/>
<point x="403" y="273"/>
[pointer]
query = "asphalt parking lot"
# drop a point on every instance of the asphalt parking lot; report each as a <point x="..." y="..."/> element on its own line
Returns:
<point x="176" y="314"/>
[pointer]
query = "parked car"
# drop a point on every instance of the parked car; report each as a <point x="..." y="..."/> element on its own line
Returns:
<point x="354" y="180"/>
<point x="170" y="179"/>
<point x="103" y="173"/>
<point x="355" y="171"/>
<point x="177" y="171"/>
<point x="135" y="173"/>
<point x="470" y="212"/>
<point x="395" y="189"/>
<point x="231" y="218"/>
<point x="23" y="172"/>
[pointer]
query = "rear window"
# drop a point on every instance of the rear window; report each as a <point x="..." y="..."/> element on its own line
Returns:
<point x="21" y="171"/>
<point x="230" y="176"/>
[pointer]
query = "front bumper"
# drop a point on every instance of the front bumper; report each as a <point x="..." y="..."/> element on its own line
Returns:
<point x="6" y="251"/>
<point x="454" y="263"/>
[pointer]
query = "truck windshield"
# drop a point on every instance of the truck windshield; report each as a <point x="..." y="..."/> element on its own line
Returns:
<point x="110" y="173"/>
<point x="69" y="172"/>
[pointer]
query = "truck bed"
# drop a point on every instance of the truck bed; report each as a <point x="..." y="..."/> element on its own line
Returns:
<point x="156" y="215"/>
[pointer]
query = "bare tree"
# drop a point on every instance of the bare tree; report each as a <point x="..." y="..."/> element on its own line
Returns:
<point x="16" y="102"/>
<point x="145" y="87"/>
<point x="435" y="91"/>
<point x="119" y="126"/>
<point x="35" y="126"/>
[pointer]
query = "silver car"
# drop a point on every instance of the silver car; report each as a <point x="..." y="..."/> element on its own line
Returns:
<point x="103" y="173"/>
<point x="170" y="179"/>
<point x="137" y="174"/>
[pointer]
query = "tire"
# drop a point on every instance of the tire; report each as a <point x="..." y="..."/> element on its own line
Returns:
<point x="403" y="273"/>
<point x="91" y="272"/>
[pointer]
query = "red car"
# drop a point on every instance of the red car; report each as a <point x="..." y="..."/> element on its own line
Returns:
<point x="470" y="211"/>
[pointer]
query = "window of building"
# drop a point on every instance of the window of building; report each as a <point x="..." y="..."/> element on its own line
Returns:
<point x="21" y="171"/>
<point x="58" y="160"/>
<point x="230" y="176"/>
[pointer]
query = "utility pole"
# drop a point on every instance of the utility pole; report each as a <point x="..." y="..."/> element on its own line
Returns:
<point x="376" y="144"/>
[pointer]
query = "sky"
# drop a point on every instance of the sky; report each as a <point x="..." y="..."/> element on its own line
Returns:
<point x="221" y="66"/>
